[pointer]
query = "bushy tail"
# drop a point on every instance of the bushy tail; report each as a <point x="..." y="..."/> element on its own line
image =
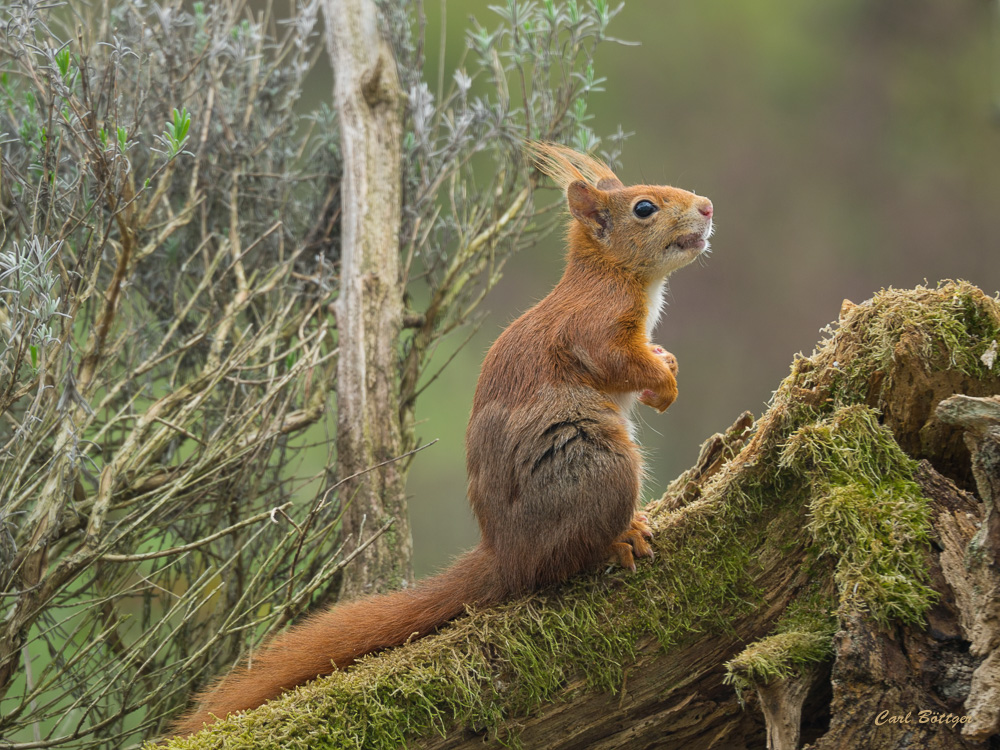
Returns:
<point x="336" y="638"/>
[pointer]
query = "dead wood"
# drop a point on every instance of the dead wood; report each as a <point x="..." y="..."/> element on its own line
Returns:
<point x="369" y="311"/>
<point x="825" y="577"/>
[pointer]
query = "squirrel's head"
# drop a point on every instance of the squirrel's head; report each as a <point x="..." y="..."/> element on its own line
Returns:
<point x="650" y="230"/>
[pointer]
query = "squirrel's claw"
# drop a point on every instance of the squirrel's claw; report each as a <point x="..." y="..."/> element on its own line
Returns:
<point x="622" y="553"/>
<point x="640" y="523"/>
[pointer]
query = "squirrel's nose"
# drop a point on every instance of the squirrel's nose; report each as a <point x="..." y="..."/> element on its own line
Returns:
<point x="706" y="209"/>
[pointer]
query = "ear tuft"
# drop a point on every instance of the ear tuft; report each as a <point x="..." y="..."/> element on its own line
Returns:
<point x="564" y="165"/>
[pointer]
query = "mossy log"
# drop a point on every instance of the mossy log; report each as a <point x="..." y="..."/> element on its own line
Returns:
<point x="826" y="575"/>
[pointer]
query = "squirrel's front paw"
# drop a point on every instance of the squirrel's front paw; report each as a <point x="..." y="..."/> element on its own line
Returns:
<point x="666" y="394"/>
<point x="668" y="359"/>
<point x="661" y="399"/>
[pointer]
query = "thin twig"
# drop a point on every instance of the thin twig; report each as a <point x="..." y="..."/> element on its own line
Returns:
<point x="268" y="514"/>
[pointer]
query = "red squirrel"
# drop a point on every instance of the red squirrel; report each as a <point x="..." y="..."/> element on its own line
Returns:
<point x="554" y="472"/>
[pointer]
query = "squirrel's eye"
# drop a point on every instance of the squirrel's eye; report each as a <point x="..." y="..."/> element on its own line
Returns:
<point x="644" y="209"/>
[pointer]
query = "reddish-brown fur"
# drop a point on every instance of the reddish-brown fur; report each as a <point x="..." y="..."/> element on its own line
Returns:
<point x="554" y="475"/>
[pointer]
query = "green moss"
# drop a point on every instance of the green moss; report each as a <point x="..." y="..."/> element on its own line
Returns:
<point x="948" y="327"/>
<point x="777" y="657"/>
<point x="802" y="638"/>
<point x="953" y="331"/>
<point x="812" y="611"/>
<point x="486" y="669"/>
<point x="866" y="511"/>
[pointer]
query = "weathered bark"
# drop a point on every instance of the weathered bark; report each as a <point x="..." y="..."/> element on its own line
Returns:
<point x="370" y="307"/>
<point x="741" y="560"/>
<point x="782" y="702"/>
<point x="892" y="689"/>
<point x="977" y="587"/>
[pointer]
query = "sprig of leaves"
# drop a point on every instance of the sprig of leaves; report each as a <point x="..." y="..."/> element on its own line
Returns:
<point x="175" y="134"/>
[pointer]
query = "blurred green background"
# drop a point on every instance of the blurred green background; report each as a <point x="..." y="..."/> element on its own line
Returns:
<point x="847" y="146"/>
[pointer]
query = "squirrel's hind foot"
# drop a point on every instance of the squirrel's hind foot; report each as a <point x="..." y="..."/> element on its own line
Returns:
<point x="632" y="543"/>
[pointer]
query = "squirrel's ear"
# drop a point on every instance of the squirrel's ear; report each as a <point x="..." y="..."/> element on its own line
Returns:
<point x="587" y="204"/>
<point x="609" y="183"/>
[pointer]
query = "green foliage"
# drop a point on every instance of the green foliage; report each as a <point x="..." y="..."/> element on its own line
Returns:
<point x="176" y="132"/>
<point x="528" y="76"/>
<point x="169" y="251"/>
<point x="145" y="432"/>
<point x="62" y="61"/>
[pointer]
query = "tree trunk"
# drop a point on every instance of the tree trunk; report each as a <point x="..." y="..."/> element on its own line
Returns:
<point x="369" y="311"/>
<point x="814" y="584"/>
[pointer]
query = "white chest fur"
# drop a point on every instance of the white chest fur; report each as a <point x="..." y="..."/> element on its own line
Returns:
<point x="654" y="304"/>
<point x="626" y="404"/>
